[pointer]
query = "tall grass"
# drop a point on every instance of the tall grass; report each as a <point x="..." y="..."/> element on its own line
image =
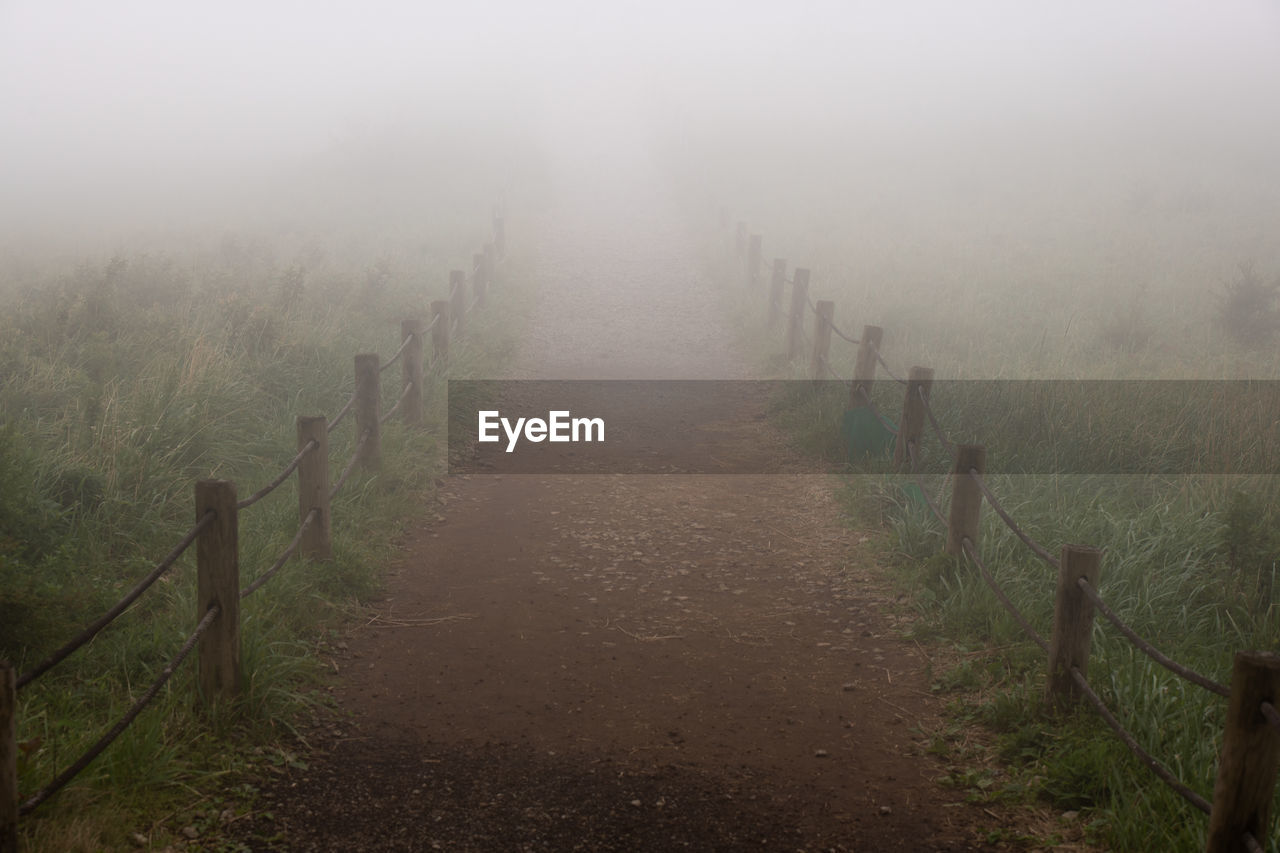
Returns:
<point x="1187" y="525"/>
<point x="122" y="383"/>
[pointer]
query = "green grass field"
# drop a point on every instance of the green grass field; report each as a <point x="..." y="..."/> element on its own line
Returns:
<point x="1190" y="530"/>
<point x="122" y="382"/>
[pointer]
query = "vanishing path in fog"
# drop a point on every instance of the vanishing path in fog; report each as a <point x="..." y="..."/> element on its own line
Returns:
<point x="639" y="662"/>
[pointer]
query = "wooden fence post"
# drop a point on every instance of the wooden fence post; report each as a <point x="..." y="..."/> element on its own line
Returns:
<point x="740" y="239"/>
<point x="313" y="487"/>
<point x="8" y="758"/>
<point x="966" y="498"/>
<point x="864" y="367"/>
<point x="799" y="304"/>
<point x="1072" y="625"/>
<point x="754" y="260"/>
<point x="218" y="583"/>
<point x="489" y="265"/>
<point x="500" y="236"/>
<point x="481" y="285"/>
<point x="776" y="286"/>
<point x="911" y="428"/>
<point x="369" y="408"/>
<point x="824" y="316"/>
<point x="411" y="372"/>
<point x="1250" y="756"/>
<point x="458" y="300"/>
<point x="440" y="330"/>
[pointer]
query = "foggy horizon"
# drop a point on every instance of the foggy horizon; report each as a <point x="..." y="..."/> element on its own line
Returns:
<point x="122" y="109"/>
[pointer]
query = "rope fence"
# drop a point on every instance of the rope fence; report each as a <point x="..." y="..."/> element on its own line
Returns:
<point x="342" y="413"/>
<point x="1250" y="755"/>
<point x="280" y="478"/>
<point x="215" y="533"/>
<point x="123" y="723"/>
<point x="121" y="606"/>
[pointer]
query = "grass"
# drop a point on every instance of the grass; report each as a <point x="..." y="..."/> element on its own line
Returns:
<point x="120" y="384"/>
<point x="1154" y="473"/>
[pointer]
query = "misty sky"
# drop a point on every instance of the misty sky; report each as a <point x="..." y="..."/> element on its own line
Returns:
<point x="96" y="97"/>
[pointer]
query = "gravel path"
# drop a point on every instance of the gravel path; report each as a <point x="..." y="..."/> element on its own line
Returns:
<point x="634" y="663"/>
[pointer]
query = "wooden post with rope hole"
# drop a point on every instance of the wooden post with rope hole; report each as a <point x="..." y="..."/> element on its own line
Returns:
<point x="1246" y="782"/>
<point x="799" y="304"/>
<point x="218" y="584"/>
<point x="411" y="371"/>
<point x="1072" y="625"/>
<point x="440" y="330"/>
<point x="966" y="498"/>
<point x="777" y="285"/>
<point x="369" y="409"/>
<point x="824" y="316"/>
<point x="911" y="428"/>
<point x="458" y="300"/>
<point x="864" y="366"/>
<point x="313" y="487"/>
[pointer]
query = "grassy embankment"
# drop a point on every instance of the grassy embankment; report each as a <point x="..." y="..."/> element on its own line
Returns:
<point x="124" y="380"/>
<point x="1191" y="558"/>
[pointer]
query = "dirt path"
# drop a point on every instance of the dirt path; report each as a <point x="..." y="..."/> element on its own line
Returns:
<point x="638" y="662"/>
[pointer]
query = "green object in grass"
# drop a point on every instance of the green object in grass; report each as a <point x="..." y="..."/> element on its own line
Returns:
<point x="864" y="435"/>
<point x="914" y="496"/>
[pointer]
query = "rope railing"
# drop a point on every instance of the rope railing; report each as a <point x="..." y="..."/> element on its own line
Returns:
<point x="895" y="377"/>
<point x="1031" y="632"/>
<point x="1040" y="550"/>
<point x="884" y="422"/>
<point x="218" y="555"/>
<point x="1153" y="764"/>
<point x="351" y="466"/>
<point x="107" y="618"/>
<point x="946" y="442"/>
<point x="1145" y="757"/>
<point x="915" y="473"/>
<point x="343" y="412"/>
<point x="258" y="583"/>
<point x="124" y="722"/>
<point x="1244" y="791"/>
<point x="841" y="334"/>
<point x="408" y="339"/>
<point x="826" y="365"/>
<point x="1272" y="715"/>
<point x="280" y="478"/>
<point x="408" y="386"/>
<point x="1146" y="647"/>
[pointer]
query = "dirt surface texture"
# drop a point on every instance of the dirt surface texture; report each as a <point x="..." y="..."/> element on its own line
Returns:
<point x="629" y="662"/>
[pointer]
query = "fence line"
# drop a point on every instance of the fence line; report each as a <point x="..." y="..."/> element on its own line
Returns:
<point x="1040" y="550"/>
<point x="342" y="413"/>
<point x="280" y="478"/>
<point x="1148" y="649"/>
<point x="107" y="618"/>
<point x="123" y="723"/>
<point x="1250" y="756"/>
<point x="312" y="514"/>
<point x="218" y="546"/>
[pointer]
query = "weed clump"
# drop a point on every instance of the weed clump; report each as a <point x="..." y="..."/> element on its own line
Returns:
<point x="1251" y="547"/>
<point x="1249" y="307"/>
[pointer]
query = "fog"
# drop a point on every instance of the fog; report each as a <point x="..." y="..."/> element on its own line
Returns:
<point x="134" y="114"/>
